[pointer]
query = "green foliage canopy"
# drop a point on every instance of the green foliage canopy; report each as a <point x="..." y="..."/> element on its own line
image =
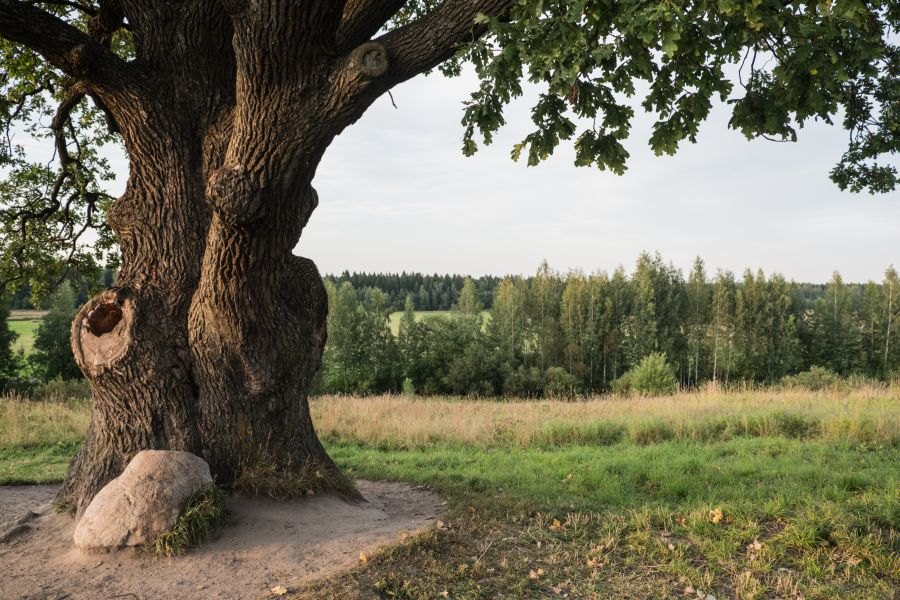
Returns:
<point x="792" y="62"/>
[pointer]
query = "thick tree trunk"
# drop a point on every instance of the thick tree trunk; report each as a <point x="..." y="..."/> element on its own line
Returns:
<point x="210" y="338"/>
<point x="131" y="340"/>
<point x="214" y="330"/>
<point x="212" y="356"/>
<point x="257" y="331"/>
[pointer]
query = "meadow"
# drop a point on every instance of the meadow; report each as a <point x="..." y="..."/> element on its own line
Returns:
<point x="24" y="324"/>
<point x="421" y="315"/>
<point x="741" y="494"/>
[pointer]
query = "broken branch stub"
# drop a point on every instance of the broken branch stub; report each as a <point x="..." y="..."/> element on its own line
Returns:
<point x="102" y="331"/>
<point x="370" y="59"/>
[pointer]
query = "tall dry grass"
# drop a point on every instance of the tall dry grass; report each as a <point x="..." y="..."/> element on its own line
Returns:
<point x="25" y="422"/>
<point x="869" y="414"/>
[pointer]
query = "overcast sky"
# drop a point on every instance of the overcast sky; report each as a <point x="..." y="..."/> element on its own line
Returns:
<point x="395" y="193"/>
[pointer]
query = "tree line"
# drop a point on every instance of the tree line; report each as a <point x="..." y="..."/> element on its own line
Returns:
<point x="563" y="333"/>
<point x="556" y="333"/>
<point x="427" y="292"/>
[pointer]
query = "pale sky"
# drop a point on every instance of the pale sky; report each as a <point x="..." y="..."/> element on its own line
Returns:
<point x="396" y="193"/>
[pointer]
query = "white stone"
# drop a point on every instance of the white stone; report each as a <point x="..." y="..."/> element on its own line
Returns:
<point x="143" y="502"/>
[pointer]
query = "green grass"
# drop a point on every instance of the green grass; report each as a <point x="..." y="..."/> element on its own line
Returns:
<point x="606" y="502"/>
<point x="427" y="314"/>
<point x="799" y="518"/>
<point x="205" y="511"/>
<point x="679" y="475"/>
<point x="35" y="464"/>
<point x="25" y="328"/>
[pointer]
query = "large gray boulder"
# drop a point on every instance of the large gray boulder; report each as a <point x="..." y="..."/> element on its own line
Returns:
<point x="143" y="502"/>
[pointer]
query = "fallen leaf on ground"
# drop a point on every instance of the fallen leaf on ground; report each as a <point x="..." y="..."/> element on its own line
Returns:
<point x="363" y="558"/>
<point x="535" y="574"/>
<point x="279" y="590"/>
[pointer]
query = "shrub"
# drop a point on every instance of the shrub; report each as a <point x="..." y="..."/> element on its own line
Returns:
<point x="561" y="384"/>
<point x="622" y="385"/>
<point x="815" y="379"/>
<point x="653" y="376"/>
<point x="524" y="383"/>
<point x="52" y="356"/>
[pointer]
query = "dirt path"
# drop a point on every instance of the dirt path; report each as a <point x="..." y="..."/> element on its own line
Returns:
<point x="266" y="543"/>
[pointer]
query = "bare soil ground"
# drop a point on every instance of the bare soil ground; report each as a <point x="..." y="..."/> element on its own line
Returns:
<point x="266" y="543"/>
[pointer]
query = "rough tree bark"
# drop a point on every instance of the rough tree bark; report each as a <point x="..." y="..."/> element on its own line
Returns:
<point x="211" y="336"/>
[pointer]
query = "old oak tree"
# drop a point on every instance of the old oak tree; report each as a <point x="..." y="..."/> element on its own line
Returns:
<point x="213" y="330"/>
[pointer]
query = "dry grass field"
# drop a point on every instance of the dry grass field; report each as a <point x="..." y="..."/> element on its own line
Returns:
<point x="864" y="414"/>
<point x="727" y="494"/>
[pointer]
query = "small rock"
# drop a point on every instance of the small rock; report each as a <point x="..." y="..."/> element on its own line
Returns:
<point x="143" y="502"/>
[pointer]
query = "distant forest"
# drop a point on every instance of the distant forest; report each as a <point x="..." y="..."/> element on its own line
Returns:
<point x="428" y="292"/>
<point x="553" y="332"/>
<point x="441" y="292"/>
<point x="558" y="333"/>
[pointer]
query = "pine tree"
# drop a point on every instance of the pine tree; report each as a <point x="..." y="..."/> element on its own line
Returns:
<point x="575" y="315"/>
<point x="545" y="296"/>
<point x="891" y="292"/>
<point x="835" y="337"/>
<point x="407" y="337"/>
<point x="698" y="300"/>
<point x="468" y="304"/>
<point x="752" y="316"/>
<point x="618" y="307"/>
<point x="783" y="342"/>
<point x="641" y="329"/>
<point x="508" y="326"/>
<point x="722" y="324"/>
<point x="872" y="311"/>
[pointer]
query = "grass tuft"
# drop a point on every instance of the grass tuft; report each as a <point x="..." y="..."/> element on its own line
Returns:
<point x="265" y="475"/>
<point x="204" y="512"/>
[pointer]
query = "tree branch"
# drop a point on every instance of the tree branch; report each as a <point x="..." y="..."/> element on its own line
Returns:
<point x="364" y="18"/>
<point x="432" y="39"/>
<point x="88" y="10"/>
<point x="63" y="45"/>
<point x="374" y="67"/>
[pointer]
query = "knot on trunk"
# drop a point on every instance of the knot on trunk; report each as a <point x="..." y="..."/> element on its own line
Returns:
<point x="122" y="216"/>
<point x="370" y="59"/>
<point x="102" y="331"/>
<point x="235" y="195"/>
<point x="104" y="318"/>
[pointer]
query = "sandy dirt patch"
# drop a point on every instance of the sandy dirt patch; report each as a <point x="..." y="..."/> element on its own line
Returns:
<point x="266" y="543"/>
